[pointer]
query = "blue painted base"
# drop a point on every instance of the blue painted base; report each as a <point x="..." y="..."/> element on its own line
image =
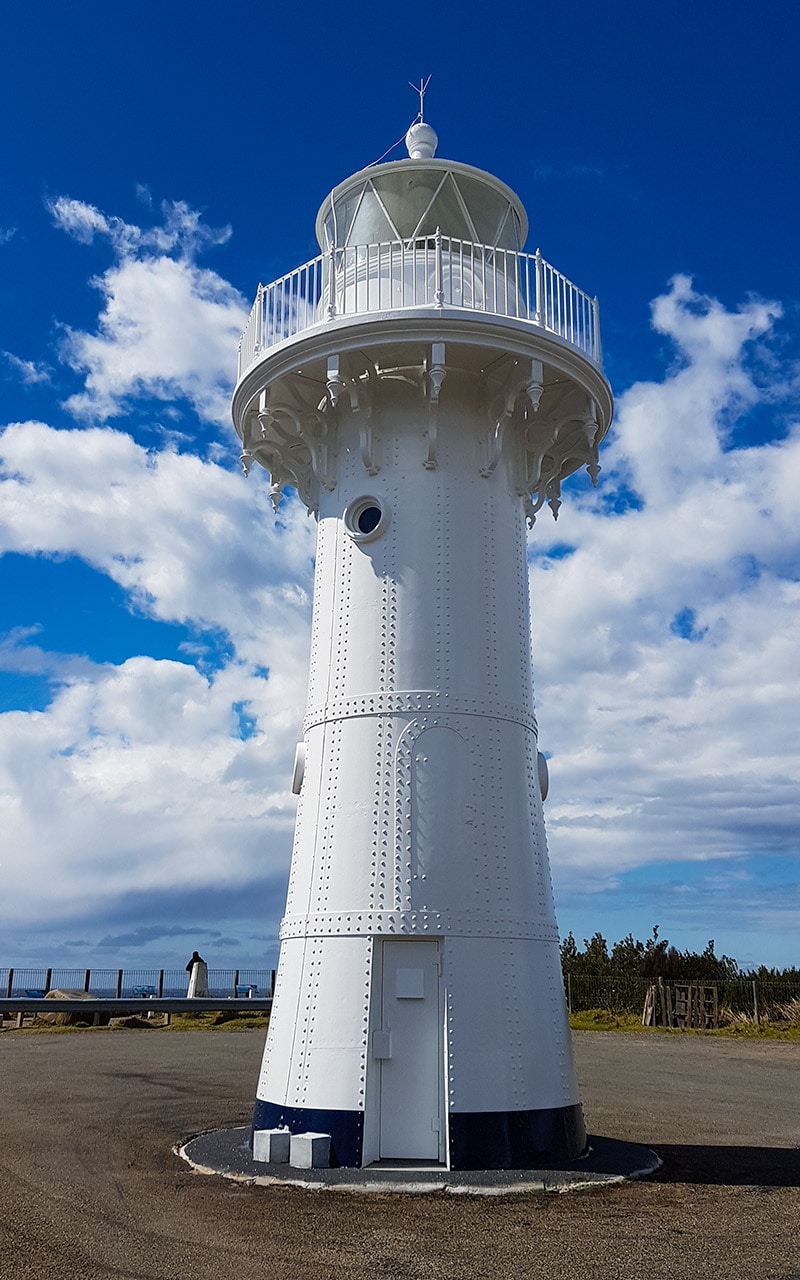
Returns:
<point x="545" y="1139"/>
<point x="345" y="1127"/>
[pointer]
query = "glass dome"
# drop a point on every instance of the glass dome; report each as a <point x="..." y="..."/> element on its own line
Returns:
<point x="410" y="199"/>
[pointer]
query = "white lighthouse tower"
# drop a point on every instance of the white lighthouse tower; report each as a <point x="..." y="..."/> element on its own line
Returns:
<point x="425" y="386"/>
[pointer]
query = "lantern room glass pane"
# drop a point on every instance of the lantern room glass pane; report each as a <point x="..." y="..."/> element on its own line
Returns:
<point x="488" y="209"/>
<point x="413" y="201"/>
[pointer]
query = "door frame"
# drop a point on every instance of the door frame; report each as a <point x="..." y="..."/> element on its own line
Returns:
<point x="372" y="1107"/>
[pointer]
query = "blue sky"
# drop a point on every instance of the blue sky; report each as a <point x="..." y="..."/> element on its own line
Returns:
<point x="157" y="162"/>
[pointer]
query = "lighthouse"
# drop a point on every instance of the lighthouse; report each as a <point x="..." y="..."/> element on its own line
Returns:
<point x="425" y="386"/>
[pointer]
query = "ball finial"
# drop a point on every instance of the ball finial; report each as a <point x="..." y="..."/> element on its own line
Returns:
<point x="421" y="141"/>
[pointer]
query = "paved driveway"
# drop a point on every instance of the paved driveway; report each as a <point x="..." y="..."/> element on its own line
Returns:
<point x="90" y="1189"/>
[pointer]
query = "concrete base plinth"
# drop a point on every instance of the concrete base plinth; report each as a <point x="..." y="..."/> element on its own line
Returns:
<point x="226" y="1152"/>
<point x="271" y="1146"/>
<point x="310" y="1150"/>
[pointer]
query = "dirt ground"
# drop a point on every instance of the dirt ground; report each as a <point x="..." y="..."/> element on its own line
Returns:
<point x="90" y="1188"/>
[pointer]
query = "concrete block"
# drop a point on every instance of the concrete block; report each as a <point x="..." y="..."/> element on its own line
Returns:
<point x="271" y="1146"/>
<point x="310" y="1151"/>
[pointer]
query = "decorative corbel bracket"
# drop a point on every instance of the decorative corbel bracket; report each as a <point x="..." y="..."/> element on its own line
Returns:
<point x="591" y="429"/>
<point x="321" y="443"/>
<point x="501" y="420"/>
<point x="366" y="437"/>
<point x="360" y="398"/>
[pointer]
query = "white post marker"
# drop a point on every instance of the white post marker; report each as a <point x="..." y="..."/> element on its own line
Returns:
<point x="198" y="980"/>
<point x="425" y="386"/>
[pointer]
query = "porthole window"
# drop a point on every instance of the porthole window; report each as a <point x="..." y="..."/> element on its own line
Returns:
<point x="366" y="518"/>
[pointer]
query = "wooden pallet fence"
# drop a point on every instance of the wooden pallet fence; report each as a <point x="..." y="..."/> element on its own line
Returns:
<point x="690" y="1005"/>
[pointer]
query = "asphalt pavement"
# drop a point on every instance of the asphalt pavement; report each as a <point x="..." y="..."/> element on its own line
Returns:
<point x="90" y="1187"/>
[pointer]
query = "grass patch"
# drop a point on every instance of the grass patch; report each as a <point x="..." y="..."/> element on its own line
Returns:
<point x="606" y="1020"/>
<point x="218" y="1021"/>
<point x="207" y="1021"/>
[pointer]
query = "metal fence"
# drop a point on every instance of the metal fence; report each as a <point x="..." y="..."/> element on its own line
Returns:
<point x="433" y="271"/>
<point x="743" y="997"/>
<point x="124" y="983"/>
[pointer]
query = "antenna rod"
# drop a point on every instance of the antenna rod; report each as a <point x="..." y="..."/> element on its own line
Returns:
<point x="421" y="89"/>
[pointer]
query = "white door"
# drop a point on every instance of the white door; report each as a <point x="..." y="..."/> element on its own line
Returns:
<point x="410" y="1049"/>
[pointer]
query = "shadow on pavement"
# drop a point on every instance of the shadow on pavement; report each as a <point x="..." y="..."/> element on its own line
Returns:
<point x="729" y="1166"/>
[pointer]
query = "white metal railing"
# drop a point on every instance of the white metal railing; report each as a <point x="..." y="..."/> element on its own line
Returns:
<point x="434" y="271"/>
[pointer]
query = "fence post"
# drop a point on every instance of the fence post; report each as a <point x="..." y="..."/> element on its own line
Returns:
<point x="87" y="979"/>
<point x="119" y="982"/>
<point x="48" y="979"/>
<point x="569" y="994"/>
<point x="755" y="1003"/>
<point x="160" y="983"/>
<point x="10" y="987"/>
<point x="272" y="982"/>
<point x="235" y="983"/>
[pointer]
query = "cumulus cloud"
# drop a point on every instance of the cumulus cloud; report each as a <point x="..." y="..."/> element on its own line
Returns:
<point x="18" y="655"/>
<point x="665" y="640"/>
<point x="137" y="780"/>
<point x="188" y="539"/>
<point x="168" y="328"/>
<point x="155" y="774"/>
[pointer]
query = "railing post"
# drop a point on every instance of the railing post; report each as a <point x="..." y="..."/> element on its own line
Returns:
<point x="537" y="315"/>
<point x="438" y="293"/>
<point x="569" y="994"/>
<point x="597" y="349"/>
<point x="47" y="980"/>
<point x="87" y="979"/>
<point x="160" y="984"/>
<point x="119" y="982"/>
<point x="235" y="983"/>
<point x="756" y="1014"/>
<point x="259" y="309"/>
<point x="330" y="310"/>
<point x="10" y="984"/>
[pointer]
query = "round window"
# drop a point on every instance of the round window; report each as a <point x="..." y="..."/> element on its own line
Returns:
<point x="366" y="518"/>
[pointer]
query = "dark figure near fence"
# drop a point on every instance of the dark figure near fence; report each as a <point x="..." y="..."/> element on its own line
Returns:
<point x="196" y="959"/>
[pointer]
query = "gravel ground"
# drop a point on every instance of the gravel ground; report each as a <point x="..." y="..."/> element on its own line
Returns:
<point x="90" y="1188"/>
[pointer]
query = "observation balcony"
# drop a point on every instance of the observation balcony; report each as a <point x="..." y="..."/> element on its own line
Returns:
<point x="434" y="272"/>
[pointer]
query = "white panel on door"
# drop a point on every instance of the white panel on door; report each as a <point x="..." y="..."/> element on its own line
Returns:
<point x="409" y="984"/>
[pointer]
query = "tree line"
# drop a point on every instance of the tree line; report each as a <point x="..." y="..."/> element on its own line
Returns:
<point x="657" y="958"/>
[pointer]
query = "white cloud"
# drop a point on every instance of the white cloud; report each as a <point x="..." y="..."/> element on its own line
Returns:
<point x="135" y="780"/>
<point x="670" y="746"/>
<point x="182" y="231"/>
<point x="187" y="539"/>
<point x="168" y="328"/>
<point x="138" y="777"/>
<point x="30" y="371"/>
<point x="6" y="234"/>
